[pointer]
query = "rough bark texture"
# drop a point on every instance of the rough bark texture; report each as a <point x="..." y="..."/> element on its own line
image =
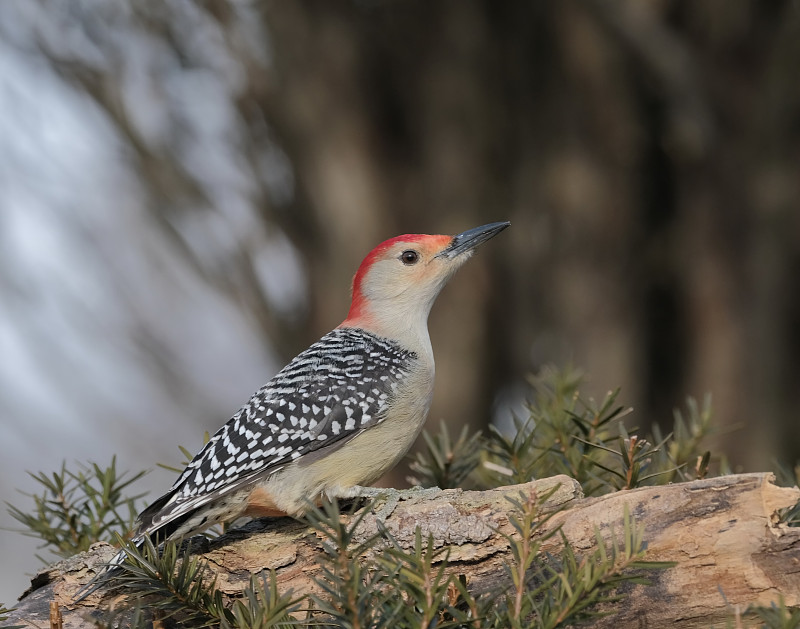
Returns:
<point x="722" y="532"/>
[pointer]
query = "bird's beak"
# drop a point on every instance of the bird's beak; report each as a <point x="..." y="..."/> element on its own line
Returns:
<point x="468" y="240"/>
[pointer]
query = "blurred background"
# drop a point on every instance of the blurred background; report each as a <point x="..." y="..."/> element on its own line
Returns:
<point x="186" y="188"/>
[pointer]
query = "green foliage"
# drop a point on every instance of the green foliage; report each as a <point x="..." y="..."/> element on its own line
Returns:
<point x="554" y="592"/>
<point x="181" y="583"/>
<point x="789" y="478"/>
<point x="633" y="455"/>
<point x="179" y="586"/>
<point x="684" y="453"/>
<point x="544" y="444"/>
<point x="187" y="456"/>
<point x="445" y="464"/>
<point x="418" y="587"/>
<point x="432" y="597"/>
<point x="262" y="606"/>
<point x="776" y="615"/>
<point x="583" y="587"/>
<point x="517" y="607"/>
<point x="563" y="433"/>
<point x="76" y="509"/>
<point x="4" y="612"/>
<point x="394" y="587"/>
<point x="356" y="596"/>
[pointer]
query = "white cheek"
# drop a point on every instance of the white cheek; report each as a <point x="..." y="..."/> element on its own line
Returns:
<point x="387" y="279"/>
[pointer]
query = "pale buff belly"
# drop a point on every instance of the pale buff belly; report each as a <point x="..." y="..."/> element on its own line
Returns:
<point x="360" y="461"/>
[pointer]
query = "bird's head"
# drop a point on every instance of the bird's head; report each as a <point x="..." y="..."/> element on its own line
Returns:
<point x="398" y="281"/>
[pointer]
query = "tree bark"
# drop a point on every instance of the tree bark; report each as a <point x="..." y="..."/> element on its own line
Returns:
<point x="723" y="533"/>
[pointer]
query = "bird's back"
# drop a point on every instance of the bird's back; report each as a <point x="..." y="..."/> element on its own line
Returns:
<point x="335" y="390"/>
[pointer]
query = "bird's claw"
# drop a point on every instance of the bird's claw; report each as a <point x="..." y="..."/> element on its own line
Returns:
<point x="391" y="497"/>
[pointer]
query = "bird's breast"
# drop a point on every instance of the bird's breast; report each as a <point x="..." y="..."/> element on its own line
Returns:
<point x="364" y="458"/>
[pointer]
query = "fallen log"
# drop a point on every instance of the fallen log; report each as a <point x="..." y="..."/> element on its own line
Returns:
<point x="723" y="533"/>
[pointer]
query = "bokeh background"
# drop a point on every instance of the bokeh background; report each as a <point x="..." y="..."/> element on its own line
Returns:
<point x="186" y="188"/>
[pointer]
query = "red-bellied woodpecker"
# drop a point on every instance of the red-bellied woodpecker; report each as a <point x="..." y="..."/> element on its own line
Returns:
<point x="340" y="414"/>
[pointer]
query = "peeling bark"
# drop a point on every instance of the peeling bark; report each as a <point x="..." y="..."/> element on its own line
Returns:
<point x="723" y="533"/>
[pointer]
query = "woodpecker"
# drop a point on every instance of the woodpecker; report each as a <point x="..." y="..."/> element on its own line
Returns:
<point x="339" y="415"/>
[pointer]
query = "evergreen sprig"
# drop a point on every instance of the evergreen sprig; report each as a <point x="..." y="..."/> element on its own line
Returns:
<point x="558" y="436"/>
<point x="373" y="581"/>
<point x="549" y="592"/>
<point x="179" y="586"/>
<point x="583" y="586"/>
<point x="633" y="456"/>
<point x="789" y="477"/>
<point x="176" y="582"/>
<point x="262" y="606"/>
<point x="684" y="452"/>
<point x="517" y="609"/>
<point x="4" y="612"/>
<point x="776" y="615"/>
<point x="443" y="463"/>
<point x="563" y="433"/>
<point x="432" y="597"/>
<point x="356" y="595"/>
<point x="76" y="509"/>
<point x="187" y="456"/>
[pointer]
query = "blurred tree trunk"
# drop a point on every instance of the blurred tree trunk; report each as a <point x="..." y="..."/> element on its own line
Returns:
<point x="646" y="154"/>
<point x="615" y="137"/>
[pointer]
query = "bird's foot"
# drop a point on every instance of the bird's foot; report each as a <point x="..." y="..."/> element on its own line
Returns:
<point x="389" y="497"/>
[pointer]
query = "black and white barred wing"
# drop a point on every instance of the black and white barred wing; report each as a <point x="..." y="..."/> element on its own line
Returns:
<point x="337" y="388"/>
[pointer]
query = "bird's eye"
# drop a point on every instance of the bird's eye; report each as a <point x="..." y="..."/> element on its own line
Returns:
<point x="409" y="257"/>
